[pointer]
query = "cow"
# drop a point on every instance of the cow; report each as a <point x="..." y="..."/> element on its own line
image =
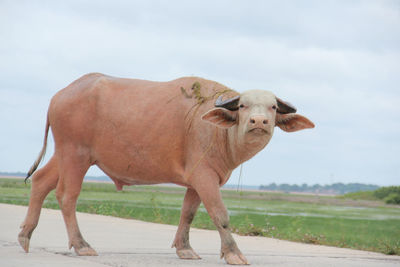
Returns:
<point x="190" y="131"/>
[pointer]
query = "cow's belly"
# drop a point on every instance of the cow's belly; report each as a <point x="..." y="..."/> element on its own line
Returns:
<point x="129" y="163"/>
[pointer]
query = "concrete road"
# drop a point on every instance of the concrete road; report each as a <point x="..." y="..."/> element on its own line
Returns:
<point x="122" y="242"/>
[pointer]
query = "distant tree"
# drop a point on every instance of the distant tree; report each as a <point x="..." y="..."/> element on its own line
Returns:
<point x="295" y="188"/>
<point x="304" y="188"/>
<point x="273" y="186"/>
<point x="284" y="187"/>
<point x="336" y="188"/>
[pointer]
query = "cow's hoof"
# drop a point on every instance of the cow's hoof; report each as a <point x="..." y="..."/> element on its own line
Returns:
<point x="24" y="242"/>
<point x="86" y="251"/>
<point x="235" y="259"/>
<point x="187" y="254"/>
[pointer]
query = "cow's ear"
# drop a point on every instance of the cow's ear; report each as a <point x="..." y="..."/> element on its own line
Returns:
<point x="292" y="122"/>
<point x="220" y="117"/>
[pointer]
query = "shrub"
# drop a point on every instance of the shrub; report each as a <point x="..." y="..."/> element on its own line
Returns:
<point x="383" y="192"/>
<point x="392" y="198"/>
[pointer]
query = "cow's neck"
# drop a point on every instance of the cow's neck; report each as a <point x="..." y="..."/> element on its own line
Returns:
<point x="239" y="149"/>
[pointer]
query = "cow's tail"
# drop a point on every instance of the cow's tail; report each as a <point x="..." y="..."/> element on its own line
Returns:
<point x="42" y="152"/>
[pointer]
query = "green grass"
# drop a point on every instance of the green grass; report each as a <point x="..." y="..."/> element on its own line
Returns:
<point x="367" y="225"/>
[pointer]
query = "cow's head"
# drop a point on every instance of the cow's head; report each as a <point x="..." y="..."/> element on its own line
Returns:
<point x="255" y="113"/>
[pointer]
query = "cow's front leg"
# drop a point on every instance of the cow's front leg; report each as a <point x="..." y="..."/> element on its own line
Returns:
<point x="207" y="186"/>
<point x="181" y="243"/>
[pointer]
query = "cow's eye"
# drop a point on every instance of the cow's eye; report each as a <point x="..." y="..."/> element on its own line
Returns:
<point x="241" y="106"/>
<point x="273" y="107"/>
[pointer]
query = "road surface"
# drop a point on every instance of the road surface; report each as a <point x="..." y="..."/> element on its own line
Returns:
<point x="123" y="243"/>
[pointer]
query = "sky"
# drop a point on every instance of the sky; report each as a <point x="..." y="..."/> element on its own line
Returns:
<point x="338" y="62"/>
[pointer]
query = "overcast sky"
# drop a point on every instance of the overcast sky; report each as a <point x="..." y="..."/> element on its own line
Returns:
<point x="338" y="62"/>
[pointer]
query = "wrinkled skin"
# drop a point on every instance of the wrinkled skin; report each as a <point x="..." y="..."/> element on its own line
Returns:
<point x="142" y="132"/>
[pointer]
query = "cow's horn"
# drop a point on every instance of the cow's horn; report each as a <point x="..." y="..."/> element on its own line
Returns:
<point x="231" y="103"/>
<point x="285" y="107"/>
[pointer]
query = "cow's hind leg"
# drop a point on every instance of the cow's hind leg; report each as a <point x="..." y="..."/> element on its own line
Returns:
<point x="181" y="243"/>
<point x="43" y="181"/>
<point x="73" y="165"/>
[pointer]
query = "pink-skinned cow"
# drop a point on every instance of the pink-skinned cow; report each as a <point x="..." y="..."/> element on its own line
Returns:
<point x="190" y="131"/>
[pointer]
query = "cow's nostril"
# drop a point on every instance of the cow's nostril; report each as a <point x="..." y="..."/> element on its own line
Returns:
<point x="252" y="121"/>
<point x="265" y="121"/>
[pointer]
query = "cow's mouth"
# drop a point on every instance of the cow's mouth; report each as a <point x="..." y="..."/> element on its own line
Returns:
<point x="258" y="131"/>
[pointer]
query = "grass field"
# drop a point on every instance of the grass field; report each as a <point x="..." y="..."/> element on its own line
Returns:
<point x="334" y="221"/>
